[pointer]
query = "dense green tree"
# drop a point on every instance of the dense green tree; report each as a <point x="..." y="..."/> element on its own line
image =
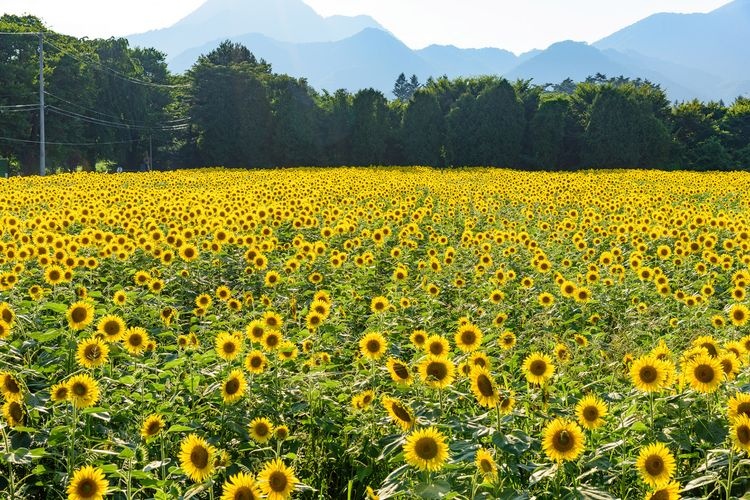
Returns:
<point x="423" y="131"/>
<point x="612" y="137"/>
<point x="295" y="135"/>
<point x="337" y="121"/>
<point x="232" y="111"/>
<point x="370" y="128"/>
<point x="547" y="131"/>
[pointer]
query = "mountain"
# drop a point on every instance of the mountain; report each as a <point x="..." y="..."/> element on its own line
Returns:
<point x="453" y="62"/>
<point x="716" y="42"/>
<point x="283" y="20"/>
<point x="691" y="55"/>
<point x="371" y="58"/>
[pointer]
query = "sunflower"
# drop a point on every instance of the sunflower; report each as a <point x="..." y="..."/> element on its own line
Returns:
<point x="272" y="320"/>
<point x="233" y="388"/>
<point x="708" y="343"/>
<point x="363" y="400"/>
<point x="189" y="252"/>
<point x="436" y="345"/>
<point x="271" y="340"/>
<point x="546" y="299"/>
<point x="418" y="338"/>
<point x="313" y="320"/>
<point x="399" y="412"/>
<point x="197" y="458"/>
<point x="255" y="331"/>
<point x="261" y="429"/>
<point x="241" y="486"/>
<point x="373" y="345"/>
<point x="13" y="413"/>
<point x="379" y="304"/>
<point x="730" y="364"/>
<point x="135" y="340"/>
<point x="120" y="297"/>
<point x="426" y="449"/>
<point x="399" y="371"/>
<point x="669" y="491"/>
<point x="739" y="314"/>
<point x="591" y="412"/>
<point x="9" y="387"/>
<point x="507" y="340"/>
<point x="484" y="387"/>
<point x="740" y="431"/>
<point x="152" y="426"/>
<point x="486" y="465"/>
<point x="437" y="372"/>
<point x="468" y="337"/>
<point x="480" y="359"/>
<point x="111" y="328"/>
<point x="563" y="440"/>
<point x="92" y="353"/>
<point x="59" y="392"/>
<point x="277" y="480"/>
<point x="4" y="330"/>
<point x="228" y="345"/>
<point x="83" y="391"/>
<point x="507" y="402"/>
<point x="648" y="374"/>
<point x="281" y="432"/>
<point x="87" y="483"/>
<point x="54" y="275"/>
<point x="287" y="351"/>
<point x="80" y="314"/>
<point x="538" y="368"/>
<point x="655" y="464"/>
<point x="738" y="405"/>
<point x="562" y="353"/>
<point x="704" y="373"/>
<point x="256" y="362"/>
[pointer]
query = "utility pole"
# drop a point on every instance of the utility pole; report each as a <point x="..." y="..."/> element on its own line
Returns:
<point x="42" y="149"/>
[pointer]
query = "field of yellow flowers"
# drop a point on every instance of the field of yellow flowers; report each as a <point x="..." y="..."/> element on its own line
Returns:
<point x="375" y="333"/>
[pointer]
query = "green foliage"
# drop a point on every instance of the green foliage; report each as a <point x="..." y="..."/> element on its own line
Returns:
<point x="423" y="131"/>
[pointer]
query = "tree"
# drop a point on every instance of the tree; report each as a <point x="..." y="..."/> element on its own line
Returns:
<point x="231" y="110"/>
<point x="488" y="129"/>
<point x="295" y="119"/>
<point x="404" y="89"/>
<point x="547" y="131"/>
<point x="370" y="130"/>
<point x="336" y="127"/>
<point x="423" y="130"/>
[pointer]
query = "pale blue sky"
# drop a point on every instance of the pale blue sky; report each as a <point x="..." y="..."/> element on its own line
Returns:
<point x="514" y="25"/>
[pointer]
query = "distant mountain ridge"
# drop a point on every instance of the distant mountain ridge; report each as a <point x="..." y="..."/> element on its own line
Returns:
<point x="701" y="56"/>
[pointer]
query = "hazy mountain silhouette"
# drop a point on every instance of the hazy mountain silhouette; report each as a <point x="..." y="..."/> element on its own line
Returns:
<point x="283" y="20"/>
<point x="691" y="55"/>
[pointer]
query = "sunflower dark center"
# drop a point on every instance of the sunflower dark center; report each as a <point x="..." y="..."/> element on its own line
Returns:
<point x="135" y="340"/>
<point x="485" y="386"/>
<point x="261" y="429"/>
<point x="654" y="465"/>
<point x="468" y="337"/>
<point x="93" y="352"/>
<point x="112" y="328"/>
<point x="373" y="346"/>
<point x="563" y="441"/>
<point x="437" y="370"/>
<point x="743" y="434"/>
<point x="436" y="348"/>
<point x="662" y="494"/>
<point x="86" y="488"/>
<point x="256" y="362"/>
<point x="379" y="306"/>
<point x="153" y="427"/>
<point x="426" y="448"/>
<point x="704" y="373"/>
<point x="229" y="347"/>
<point x="591" y="413"/>
<point x="485" y="465"/>
<point x="401" y="412"/>
<point x="232" y="386"/>
<point x="727" y="366"/>
<point x="277" y="481"/>
<point x="272" y="340"/>
<point x="79" y="389"/>
<point x="711" y="348"/>
<point x="11" y="385"/>
<point x="199" y="457"/>
<point x="244" y="493"/>
<point x="78" y="314"/>
<point x="538" y="367"/>
<point x="648" y="374"/>
<point x="738" y="315"/>
<point x="16" y="412"/>
<point x="257" y="332"/>
<point x="400" y="370"/>
<point x="314" y="320"/>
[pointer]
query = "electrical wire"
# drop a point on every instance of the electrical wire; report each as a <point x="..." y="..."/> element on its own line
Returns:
<point x="115" y="72"/>
<point x="90" y="110"/>
<point x="10" y="139"/>
<point x="112" y="124"/>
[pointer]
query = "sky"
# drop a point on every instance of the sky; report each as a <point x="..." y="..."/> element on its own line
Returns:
<point x="517" y="26"/>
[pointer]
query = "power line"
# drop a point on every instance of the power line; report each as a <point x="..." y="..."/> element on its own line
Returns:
<point x="11" y="139"/>
<point x="90" y="110"/>
<point x="113" y="124"/>
<point x="115" y="72"/>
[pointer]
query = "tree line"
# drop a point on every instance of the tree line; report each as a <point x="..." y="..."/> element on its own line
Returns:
<point x="108" y="102"/>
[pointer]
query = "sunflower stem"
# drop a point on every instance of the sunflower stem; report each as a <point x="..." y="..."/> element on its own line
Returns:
<point x="729" y="473"/>
<point x="161" y="456"/>
<point x="11" y="477"/>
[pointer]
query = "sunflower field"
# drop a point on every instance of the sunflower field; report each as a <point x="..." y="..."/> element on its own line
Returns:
<point x="375" y="333"/>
